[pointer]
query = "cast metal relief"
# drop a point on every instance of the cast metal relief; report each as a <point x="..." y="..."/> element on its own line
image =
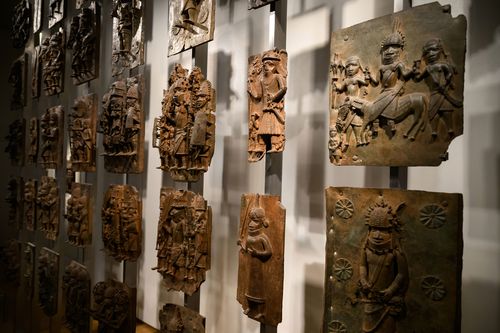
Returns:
<point x="112" y="303"/>
<point x="122" y="222"/>
<point x="28" y="279"/>
<point x="177" y="318"/>
<point x="17" y="80"/>
<point x="21" y="24"/>
<point x="122" y="124"/>
<point x="29" y="201"/>
<point x="79" y="215"/>
<point x="183" y="241"/>
<point x="83" y="40"/>
<point x="82" y="133"/>
<point x="36" y="67"/>
<point x="190" y="23"/>
<point x="14" y="200"/>
<point x="51" y="137"/>
<point x="253" y="4"/>
<point x="56" y="11"/>
<point x="399" y="102"/>
<point x="76" y="296"/>
<point x="32" y="144"/>
<point x="48" y="281"/>
<point x="37" y="15"/>
<point x="10" y="259"/>
<point x="51" y="62"/>
<point x="260" y="270"/>
<point x="15" y="142"/>
<point x="385" y="270"/>
<point x="266" y="88"/>
<point x="47" y="207"/>
<point x="185" y="132"/>
<point x="128" y="35"/>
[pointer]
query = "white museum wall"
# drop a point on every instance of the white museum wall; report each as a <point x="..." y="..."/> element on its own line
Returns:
<point x="472" y="169"/>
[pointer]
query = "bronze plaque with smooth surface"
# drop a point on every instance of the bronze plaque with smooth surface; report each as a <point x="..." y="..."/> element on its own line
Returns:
<point x="396" y="88"/>
<point x="393" y="258"/>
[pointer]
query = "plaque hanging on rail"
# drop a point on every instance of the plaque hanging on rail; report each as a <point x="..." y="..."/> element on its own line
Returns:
<point x="177" y="318"/>
<point x="82" y="133"/>
<point x="112" y="307"/>
<point x="76" y="297"/>
<point x="396" y="88"/>
<point x="48" y="281"/>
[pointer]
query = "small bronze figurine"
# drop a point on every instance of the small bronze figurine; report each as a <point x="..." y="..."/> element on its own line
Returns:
<point x="176" y="318"/>
<point x="82" y="133"/>
<point x="51" y="137"/>
<point x="29" y="201"/>
<point x="51" y="62"/>
<point x="76" y="296"/>
<point x="16" y="141"/>
<point x="47" y="207"/>
<point x="79" y="215"/>
<point x="21" y="24"/>
<point x="48" y="281"/>
<point x="112" y="303"/>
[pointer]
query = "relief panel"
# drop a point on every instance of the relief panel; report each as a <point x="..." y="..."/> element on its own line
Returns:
<point x="16" y="141"/>
<point x="76" y="298"/>
<point x="112" y="304"/>
<point x="47" y="207"/>
<point x="37" y="15"/>
<point x="253" y="4"/>
<point x="18" y="81"/>
<point x="15" y="202"/>
<point x="21" y="24"/>
<point x="29" y="202"/>
<point x="48" y="281"/>
<point x="56" y="11"/>
<point x="51" y="137"/>
<point x="51" y="58"/>
<point x="176" y="318"/>
<point x="82" y="133"/>
<point x="10" y="259"/>
<point x="79" y="215"/>
<point x="28" y="279"/>
<point x="32" y="144"/>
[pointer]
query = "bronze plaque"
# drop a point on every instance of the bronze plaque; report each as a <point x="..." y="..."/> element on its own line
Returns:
<point x="122" y="222"/>
<point x="16" y="141"/>
<point x="253" y="4"/>
<point x="37" y="15"/>
<point x="17" y="80"/>
<point x="32" y="144"/>
<point x="396" y="88"/>
<point x="83" y="40"/>
<point x="82" y="133"/>
<point x="122" y="124"/>
<point x="51" y="58"/>
<point x="14" y="199"/>
<point x="56" y="11"/>
<point x="112" y="304"/>
<point x="51" y="137"/>
<point x="76" y="298"/>
<point x="48" y="281"/>
<point x="29" y="203"/>
<point x="128" y="35"/>
<point x="47" y="207"/>
<point x="262" y="245"/>
<point x="393" y="257"/>
<point x="36" y="67"/>
<point x="190" y="23"/>
<point x="21" y="24"/>
<point x="177" y="318"/>
<point x="184" y="238"/>
<point x="185" y="132"/>
<point x="10" y="259"/>
<point x="79" y="215"/>
<point x="28" y="270"/>
<point x="266" y="88"/>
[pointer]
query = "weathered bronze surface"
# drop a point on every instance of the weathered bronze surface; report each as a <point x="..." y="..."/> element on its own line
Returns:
<point x="21" y="24"/>
<point x="122" y="222"/>
<point x="184" y="238"/>
<point x="47" y="207"/>
<point x="76" y="296"/>
<point x="56" y="11"/>
<point x="122" y="124"/>
<point x="15" y="201"/>
<point x="262" y="245"/>
<point x="51" y="137"/>
<point x="252" y="4"/>
<point x="190" y="23"/>
<point x="48" y="281"/>
<point x="112" y="303"/>
<point x="266" y="88"/>
<point x="83" y="39"/>
<point x="79" y="215"/>
<point x="36" y="67"/>
<point x="37" y="15"/>
<point x="29" y="201"/>
<point x="28" y="280"/>
<point x="185" y="132"/>
<point x="396" y="87"/>
<point x="82" y="133"/>
<point x="15" y="142"/>
<point x="17" y="80"/>
<point x="393" y="257"/>
<point x="10" y="259"/>
<point x="128" y="35"/>
<point x="32" y="144"/>
<point x="177" y="318"/>
<point x="51" y="62"/>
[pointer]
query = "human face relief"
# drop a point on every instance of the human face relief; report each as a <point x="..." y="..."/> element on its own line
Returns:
<point x="432" y="53"/>
<point x="268" y="66"/>
<point x="379" y="236"/>
<point x="390" y="54"/>
<point x="352" y="68"/>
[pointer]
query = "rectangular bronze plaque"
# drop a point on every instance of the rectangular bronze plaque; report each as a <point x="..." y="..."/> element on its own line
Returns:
<point x="76" y="298"/>
<point x="48" y="281"/>
<point x="79" y="215"/>
<point x="56" y="11"/>
<point x="32" y="144"/>
<point x="253" y="4"/>
<point x="51" y="137"/>
<point x="28" y="270"/>
<point x="47" y="207"/>
<point x="18" y="77"/>
<point x="177" y="318"/>
<point x="261" y="259"/>
<point x="16" y="142"/>
<point x="29" y="203"/>
<point x="82" y="133"/>
<point x="393" y="261"/>
<point x="396" y="88"/>
<point x="112" y="308"/>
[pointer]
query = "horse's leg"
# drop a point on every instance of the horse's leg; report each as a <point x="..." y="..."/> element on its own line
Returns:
<point x="417" y="108"/>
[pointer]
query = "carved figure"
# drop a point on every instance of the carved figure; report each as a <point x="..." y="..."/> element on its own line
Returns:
<point x="84" y="41"/>
<point x="32" y="141"/>
<point x="37" y="15"/>
<point x="56" y="12"/>
<point x="52" y="63"/>
<point x="260" y="271"/>
<point x="51" y="137"/>
<point x="112" y="303"/>
<point x="122" y="125"/>
<point x="191" y="23"/>
<point x="48" y="280"/>
<point x="17" y="79"/>
<point x="121" y="222"/>
<point x="385" y="265"/>
<point x="183" y="243"/>
<point x="15" y="201"/>
<point x="176" y="318"/>
<point x="76" y="295"/>
<point x="82" y="133"/>
<point x="266" y="87"/>
<point x="29" y="270"/>
<point x="15" y="142"/>
<point x="253" y="4"/>
<point x="128" y="35"/>
<point x="29" y="199"/>
<point x="79" y="215"/>
<point x="389" y="111"/>
<point x="47" y="207"/>
<point x="21" y="24"/>
<point x="185" y="133"/>
<point x="10" y="258"/>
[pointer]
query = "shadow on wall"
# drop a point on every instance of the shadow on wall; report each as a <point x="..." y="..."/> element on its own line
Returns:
<point x="224" y="74"/>
<point x="313" y="298"/>
<point x="480" y="303"/>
